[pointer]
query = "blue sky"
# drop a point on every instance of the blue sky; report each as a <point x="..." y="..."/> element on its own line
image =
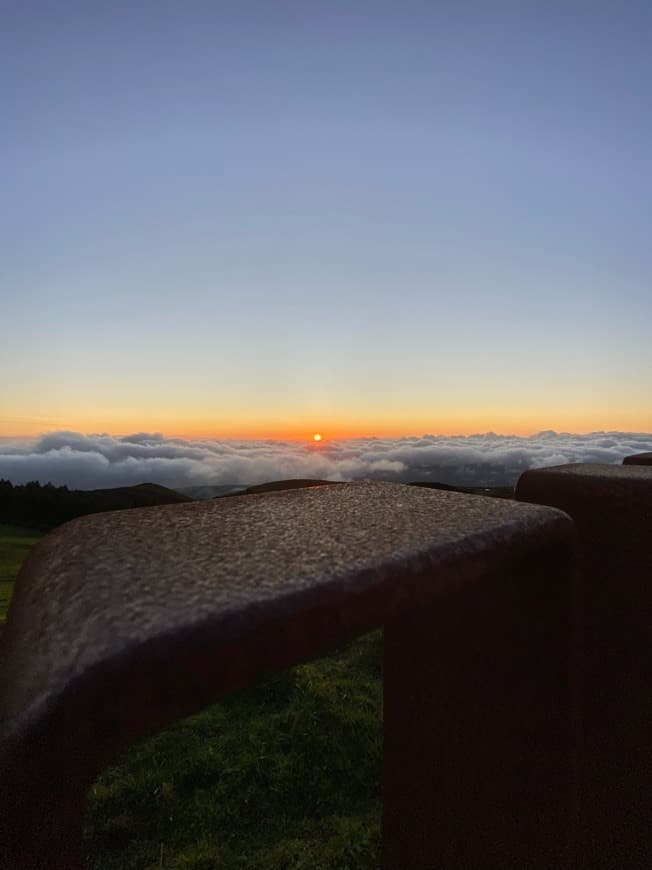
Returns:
<point x="270" y="218"/>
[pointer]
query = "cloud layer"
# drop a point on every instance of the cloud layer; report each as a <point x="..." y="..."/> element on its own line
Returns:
<point x="93" y="461"/>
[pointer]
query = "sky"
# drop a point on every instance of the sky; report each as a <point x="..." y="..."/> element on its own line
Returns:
<point x="259" y="220"/>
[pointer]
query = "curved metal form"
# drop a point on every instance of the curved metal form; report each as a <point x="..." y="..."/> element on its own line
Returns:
<point x="612" y="509"/>
<point x="638" y="459"/>
<point x="123" y="622"/>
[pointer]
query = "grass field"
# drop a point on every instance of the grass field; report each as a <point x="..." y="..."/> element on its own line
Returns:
<point x="284" y="775"/>
<point x="15" y="543"/>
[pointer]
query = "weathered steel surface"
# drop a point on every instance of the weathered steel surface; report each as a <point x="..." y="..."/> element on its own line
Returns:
<point x="638" y="459"/>
<point x="481" y="717"/>
<point x="612" y="508"/>
<point x="124" y="622"/>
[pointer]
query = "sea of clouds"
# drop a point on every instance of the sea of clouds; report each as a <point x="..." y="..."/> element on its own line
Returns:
<point x="93" y="461"/>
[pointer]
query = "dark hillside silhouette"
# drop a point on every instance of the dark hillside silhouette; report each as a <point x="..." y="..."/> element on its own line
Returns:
<point x="493" y="491"/>
<point x="300" y="482"/>
<point x="45" y="506"/>
<point x="277" y="485"/>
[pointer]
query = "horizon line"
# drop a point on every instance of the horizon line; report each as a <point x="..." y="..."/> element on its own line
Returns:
<point x="325" y="436"/>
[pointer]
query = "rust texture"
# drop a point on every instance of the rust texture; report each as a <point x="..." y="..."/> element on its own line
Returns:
<point x="122" y="623"/>
<point x="481" y="714"/>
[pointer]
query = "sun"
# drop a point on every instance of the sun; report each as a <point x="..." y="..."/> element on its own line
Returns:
<point x="316" y="437"/>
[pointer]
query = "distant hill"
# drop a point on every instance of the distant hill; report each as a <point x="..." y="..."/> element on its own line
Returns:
<point x="493" y="491"/>
<point x="141" y="495"/>
<point x="43" y="507"/>
<point x="277" y="485"/>
<point x="300" y="483"/>
<point x="210" y="490"/>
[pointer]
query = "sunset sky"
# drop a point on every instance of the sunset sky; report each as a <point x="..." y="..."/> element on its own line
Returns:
<point x="270" y="219"/>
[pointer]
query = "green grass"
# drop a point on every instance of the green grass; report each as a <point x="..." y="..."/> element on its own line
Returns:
<point x="286" y="774"/>
<point x="15" y="543"/>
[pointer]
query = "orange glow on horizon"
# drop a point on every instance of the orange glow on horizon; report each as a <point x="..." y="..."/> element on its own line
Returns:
<point x="293" y="428"/>
<point x="294" y="424"/>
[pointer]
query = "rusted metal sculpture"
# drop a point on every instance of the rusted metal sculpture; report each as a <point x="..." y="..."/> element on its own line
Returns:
<point x="638" y="459"/>
<point x="612" y="509"/>
<point x="122" y="623"/>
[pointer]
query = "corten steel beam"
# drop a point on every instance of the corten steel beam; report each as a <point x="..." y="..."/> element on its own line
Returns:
<point x="121" y="623"/>
<point x="638" y="459"/>
<point x="482" y="699"/>
<point x="612" y="508"/>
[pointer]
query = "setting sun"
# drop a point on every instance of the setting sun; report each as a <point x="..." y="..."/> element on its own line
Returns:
<point x="316" y="437"/>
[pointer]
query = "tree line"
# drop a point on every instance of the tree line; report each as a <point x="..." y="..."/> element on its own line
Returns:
<point x="44" y="506"/>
